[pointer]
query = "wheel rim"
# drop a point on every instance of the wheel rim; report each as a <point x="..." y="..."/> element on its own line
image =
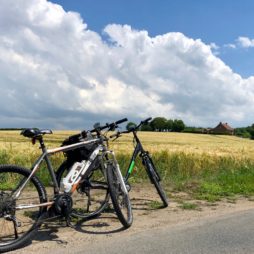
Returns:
<point x="122" y="197"/>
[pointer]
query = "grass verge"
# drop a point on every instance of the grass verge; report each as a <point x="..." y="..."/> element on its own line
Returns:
<point x="202" y="176"/>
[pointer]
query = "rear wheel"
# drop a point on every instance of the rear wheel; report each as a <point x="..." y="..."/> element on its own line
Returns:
<point x="119" y="195"/>
<point x="155" y="179"/>
<point x="19" y="217"/>
<point x="92" y="196"/>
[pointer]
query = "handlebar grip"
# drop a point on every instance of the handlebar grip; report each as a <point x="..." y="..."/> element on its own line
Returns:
<point x="84" y="134"/>
<point x="121" y="121"/>
<point x="147" y="120"/>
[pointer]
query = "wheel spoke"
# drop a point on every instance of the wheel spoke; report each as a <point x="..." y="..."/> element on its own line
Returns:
<point x="16" y="223"/>
<point x="120" y="198"/>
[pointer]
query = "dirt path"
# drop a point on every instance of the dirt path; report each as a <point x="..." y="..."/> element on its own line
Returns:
<point x="55" y="237"/>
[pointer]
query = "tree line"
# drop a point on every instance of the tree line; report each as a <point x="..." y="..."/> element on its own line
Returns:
<point x="245" y="132"/>
<point x="161" y="124"/>
<point x="177" y="125"/>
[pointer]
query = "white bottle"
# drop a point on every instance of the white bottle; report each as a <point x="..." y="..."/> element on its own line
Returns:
<point x="74" y="176"/>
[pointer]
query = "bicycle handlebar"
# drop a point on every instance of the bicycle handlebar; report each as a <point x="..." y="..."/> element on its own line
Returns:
<point x="109" y="126"/>
<point x="146" y="121"/>
<point x="121" y="121"/>
<point x="117" y="134"/>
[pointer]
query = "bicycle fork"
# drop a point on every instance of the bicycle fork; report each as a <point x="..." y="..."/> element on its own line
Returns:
<point x="118" y="171"/>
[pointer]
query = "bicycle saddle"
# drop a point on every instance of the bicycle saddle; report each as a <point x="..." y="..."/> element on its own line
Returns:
<point x="34" y="132"/>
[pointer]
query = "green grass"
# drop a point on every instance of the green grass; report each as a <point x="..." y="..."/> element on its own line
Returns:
<point x="154" y="205"/>
<point x="203" y="176"/>
<point x="189" y="206"/>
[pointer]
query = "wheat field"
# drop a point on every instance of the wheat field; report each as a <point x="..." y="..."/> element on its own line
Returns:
<point x="218" y="145"/>
<point x="215" y="145"/>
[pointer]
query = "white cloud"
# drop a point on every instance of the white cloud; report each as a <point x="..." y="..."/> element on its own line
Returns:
<point x="54" y="72"/>
<point x="245" y="42"/>
<point x="230" y="45"/>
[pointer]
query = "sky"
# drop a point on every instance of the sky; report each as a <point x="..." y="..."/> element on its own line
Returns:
<point x="219" y="21"/>
<point x="67" y="64"/>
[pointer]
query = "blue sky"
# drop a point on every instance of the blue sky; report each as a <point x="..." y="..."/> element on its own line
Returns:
<point x="68" y="64"/>
<point x="218" y="21"/>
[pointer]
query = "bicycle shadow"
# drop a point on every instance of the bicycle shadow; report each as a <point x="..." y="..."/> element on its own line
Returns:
<point x="46" y="233"/>
<point x="106" y="223"/>
<point x="103" y="224"/>
<point x="49" y="234"/>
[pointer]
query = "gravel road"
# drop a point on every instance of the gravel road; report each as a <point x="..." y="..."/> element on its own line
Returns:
<point x="223" y="227"/>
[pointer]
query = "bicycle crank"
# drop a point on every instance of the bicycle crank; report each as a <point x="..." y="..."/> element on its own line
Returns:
<point x="63" y="206"/>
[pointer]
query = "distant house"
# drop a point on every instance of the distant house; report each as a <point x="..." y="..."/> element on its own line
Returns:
<point x="206" y="130"/>
<point x="222" y="128"/>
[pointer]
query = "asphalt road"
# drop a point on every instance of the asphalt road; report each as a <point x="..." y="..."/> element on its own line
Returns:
<point x="232" y="233"/>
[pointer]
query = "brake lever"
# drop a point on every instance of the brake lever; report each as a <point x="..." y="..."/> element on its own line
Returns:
<point x="116" y="138"/>
<point x="117" y="135"/>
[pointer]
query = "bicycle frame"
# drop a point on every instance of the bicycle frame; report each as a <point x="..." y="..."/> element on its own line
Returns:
<point x="45" y="156"/>
<point x="138" y="149"/>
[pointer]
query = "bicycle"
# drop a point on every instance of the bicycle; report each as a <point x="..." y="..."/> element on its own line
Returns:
<point x="146" y="161"/>
<point x="24" y="204"/>
<point x="96" y="202"/>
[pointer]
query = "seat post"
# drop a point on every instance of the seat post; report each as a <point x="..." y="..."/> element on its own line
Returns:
<point x="43" y="147"/>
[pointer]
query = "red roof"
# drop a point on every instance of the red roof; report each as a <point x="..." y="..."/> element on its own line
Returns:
<point x="225" y="126"/>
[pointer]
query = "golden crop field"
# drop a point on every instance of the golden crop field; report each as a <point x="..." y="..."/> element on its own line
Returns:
<point x="217" y="145"/>
<point x="220" y="145"/>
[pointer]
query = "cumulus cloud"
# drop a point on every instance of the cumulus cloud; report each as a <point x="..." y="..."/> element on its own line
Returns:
<point x="55" y="72"/>
<point x="245" y="42"/>
<point x="241" y="42"/>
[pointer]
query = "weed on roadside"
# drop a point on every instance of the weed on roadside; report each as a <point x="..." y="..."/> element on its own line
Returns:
<point x="189" y="206"/>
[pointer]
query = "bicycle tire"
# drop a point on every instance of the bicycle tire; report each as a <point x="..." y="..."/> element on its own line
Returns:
<point x="25" y="221"/>
<point x="155" y="179"/>
<point x="120" y="197"/>
<point x="99" y="205"/>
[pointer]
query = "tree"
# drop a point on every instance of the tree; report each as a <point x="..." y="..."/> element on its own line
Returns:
<point x="251" y="131"/>
<point x="146" y="127"/>
<point x="245" y="132"/>
<point x="130" y="125"/>
<point x="169" y="124"/>
<point x="159" y="123"/>
<point x="178" y="125"/>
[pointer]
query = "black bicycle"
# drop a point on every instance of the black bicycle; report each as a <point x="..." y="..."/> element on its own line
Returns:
<point x="24" y="204"/>
<point x="146" y="160"/>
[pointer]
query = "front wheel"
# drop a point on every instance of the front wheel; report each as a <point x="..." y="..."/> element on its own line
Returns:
<point x="119" y="195"/>
<point x="155" y="179"/>
<point x="19" y="214"/>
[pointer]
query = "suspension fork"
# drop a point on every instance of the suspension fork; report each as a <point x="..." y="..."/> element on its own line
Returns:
<point x="117" y="168"/>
